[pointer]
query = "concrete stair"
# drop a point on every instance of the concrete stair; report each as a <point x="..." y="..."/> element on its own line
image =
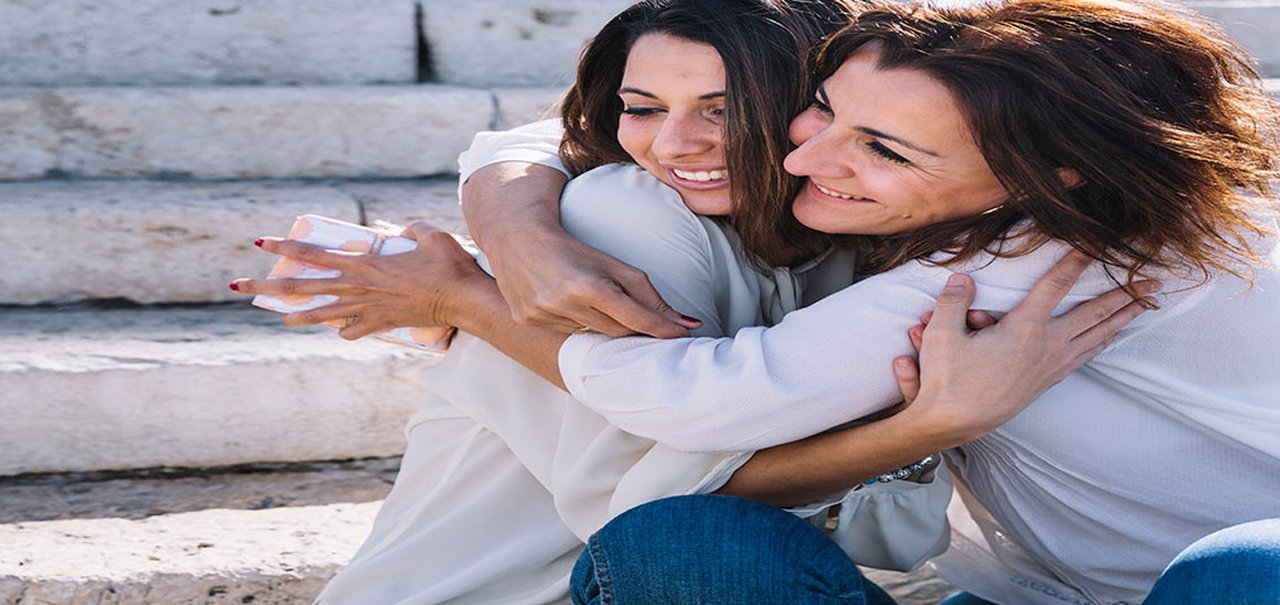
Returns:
<point x="164" y="442"/>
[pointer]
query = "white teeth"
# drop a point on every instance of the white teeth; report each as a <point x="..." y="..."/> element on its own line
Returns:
<point x="702" y="175"/>
<point x="843" y="196"/>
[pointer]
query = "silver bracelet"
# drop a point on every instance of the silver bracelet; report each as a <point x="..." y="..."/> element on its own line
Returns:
<point x="906" y="472"/>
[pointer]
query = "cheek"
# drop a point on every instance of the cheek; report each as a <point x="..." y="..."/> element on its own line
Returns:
<point x="634" y="139"/>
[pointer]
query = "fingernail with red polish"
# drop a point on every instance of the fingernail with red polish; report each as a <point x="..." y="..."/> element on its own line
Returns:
<point x="258" y="242"/>
<point x="692" y="320"/>
<point x="234" y="286"/>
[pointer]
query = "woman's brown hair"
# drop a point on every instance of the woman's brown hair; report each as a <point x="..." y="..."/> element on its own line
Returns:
<point x="765" y="46"/>
<point x="1163" y="119"/>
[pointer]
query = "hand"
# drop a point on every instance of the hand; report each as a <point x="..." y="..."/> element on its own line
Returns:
<point x="970" y="382"/>
<point x="552" y="280"/>
<point x="423" y="287"/>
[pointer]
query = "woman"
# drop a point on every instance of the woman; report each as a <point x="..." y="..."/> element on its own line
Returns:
<point x="1011" y="109"/>
<point x="472" y="515"/>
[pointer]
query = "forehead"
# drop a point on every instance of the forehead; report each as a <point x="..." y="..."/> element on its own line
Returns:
<point x="906" y="102"/>
<point x="661" y="59"/>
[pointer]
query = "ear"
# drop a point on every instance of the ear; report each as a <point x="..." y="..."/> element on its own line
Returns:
<point x="1069" y="177"/>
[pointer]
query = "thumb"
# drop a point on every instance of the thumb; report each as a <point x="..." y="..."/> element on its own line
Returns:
<point x="952" y="307"/>
<point x="419" y="230"/>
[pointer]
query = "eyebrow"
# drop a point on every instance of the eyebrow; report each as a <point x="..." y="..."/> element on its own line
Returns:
<point x="822" y="94"/>
<point x="644" y="93"/>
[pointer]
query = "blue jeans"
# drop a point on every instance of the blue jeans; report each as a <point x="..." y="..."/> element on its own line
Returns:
<point x="658" y="553"/>
<point x="720" y="549"/>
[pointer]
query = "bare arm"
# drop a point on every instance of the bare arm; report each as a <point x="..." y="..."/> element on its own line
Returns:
<point x="966" y="389"/>
<point x="549" y="278"/>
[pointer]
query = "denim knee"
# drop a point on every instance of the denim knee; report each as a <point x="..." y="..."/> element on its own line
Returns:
<point x="715" y="549"/>
<point x="1239" y="565"/>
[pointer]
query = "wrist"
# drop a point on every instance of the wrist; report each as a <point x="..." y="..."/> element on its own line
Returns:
<point x="936" y="425"/>
<point x="472" y="305"/>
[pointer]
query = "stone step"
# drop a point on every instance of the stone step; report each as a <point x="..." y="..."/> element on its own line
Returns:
<point x="506" y="42"/>
<point x="266" y="534"/>
<point x="157" y="42"/>
<point x="1254" y="24"/>
<point x="95" y="42"/>
<point x="156" y="242"/>
<point x="90" y="389"/>
<point x="247" y="132"/>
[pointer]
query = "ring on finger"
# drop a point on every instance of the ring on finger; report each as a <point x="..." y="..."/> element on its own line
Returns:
<point x="351" y="320"/>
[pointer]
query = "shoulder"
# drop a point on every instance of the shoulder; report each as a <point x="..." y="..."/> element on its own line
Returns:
<point x="626" y="201"/>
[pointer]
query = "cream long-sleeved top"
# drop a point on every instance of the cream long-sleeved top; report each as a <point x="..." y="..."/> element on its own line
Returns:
<point x="1171" y="433"/>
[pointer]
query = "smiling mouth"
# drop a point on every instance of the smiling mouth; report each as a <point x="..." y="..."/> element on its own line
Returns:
<point x="701" y="176"/>
<point x="838" y="195"/>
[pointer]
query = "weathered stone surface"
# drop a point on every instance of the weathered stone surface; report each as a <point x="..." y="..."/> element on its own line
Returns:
<point x="248" y="132"/>
<point x="94" y="389"/>
<point x="165" y="491"/>
<point x="278" y="556"/>
<point x="512" y="42"/>
<point x="1254" y="24"/>
<point x="173" y="242"/>
<point x="518" y="106"/>
<point x="404" y="202"/>
<point x="30" y="148"/>
<point x="78" y="42"/>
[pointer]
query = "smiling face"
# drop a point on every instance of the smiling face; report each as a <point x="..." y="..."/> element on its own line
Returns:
<point x="672" y="118"/>
<point x="886" y="151"/>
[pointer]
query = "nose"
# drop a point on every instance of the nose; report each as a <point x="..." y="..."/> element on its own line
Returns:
<point x="817" y="153"/>
<point x="684" y="136"/>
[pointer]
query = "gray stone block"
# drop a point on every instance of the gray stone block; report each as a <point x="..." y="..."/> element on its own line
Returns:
<point x="512" y="42"/>
<point x="29" y="147"/>
<point x="1254" y="24"/>
<point x="252" y="132"/>
<point x="173" y="242"/>
<point x="94" y="42"/>
<point x="281" y="556"/>
<point x="95" y="389"/>
<point x="517" y="106"/>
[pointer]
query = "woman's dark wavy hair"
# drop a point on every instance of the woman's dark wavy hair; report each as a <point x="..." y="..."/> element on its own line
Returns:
<point x="766" y="47"/>
<point x="1163" y="117"/>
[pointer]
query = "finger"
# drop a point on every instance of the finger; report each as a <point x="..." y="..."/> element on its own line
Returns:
<point x="636" y="285"/>
<point x="288" y="287"/>
<point x="420" y="230"/>
<point x="916" y="334"/>
<point x="928" y="315"/>
<point x="591" y="320"/>
<point x="1087" y="315"/>
<point x="1105" y="331"/>
<point x="907" y="372"/>
<point x="635" y="318"/>
<point x="312" y="255"/>
<point x="977" y="320"/>
<point x="1051" y="288"/>
<point x="952" y="306"/>
<point x="361" y="328"/>
<point x="336" y="312"/>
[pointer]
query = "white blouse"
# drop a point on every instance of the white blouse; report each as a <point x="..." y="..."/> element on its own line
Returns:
<point x="1168" y="435"/>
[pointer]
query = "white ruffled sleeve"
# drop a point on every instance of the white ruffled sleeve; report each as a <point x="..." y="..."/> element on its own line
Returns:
<point x="822" y="366"/>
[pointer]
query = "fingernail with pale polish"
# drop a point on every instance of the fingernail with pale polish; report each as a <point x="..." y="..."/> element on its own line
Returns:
<point x="956" y="279"/>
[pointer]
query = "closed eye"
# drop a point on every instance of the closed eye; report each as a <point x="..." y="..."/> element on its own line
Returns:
<point x="641" y="112"/>
<point x="879" y="149"/>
